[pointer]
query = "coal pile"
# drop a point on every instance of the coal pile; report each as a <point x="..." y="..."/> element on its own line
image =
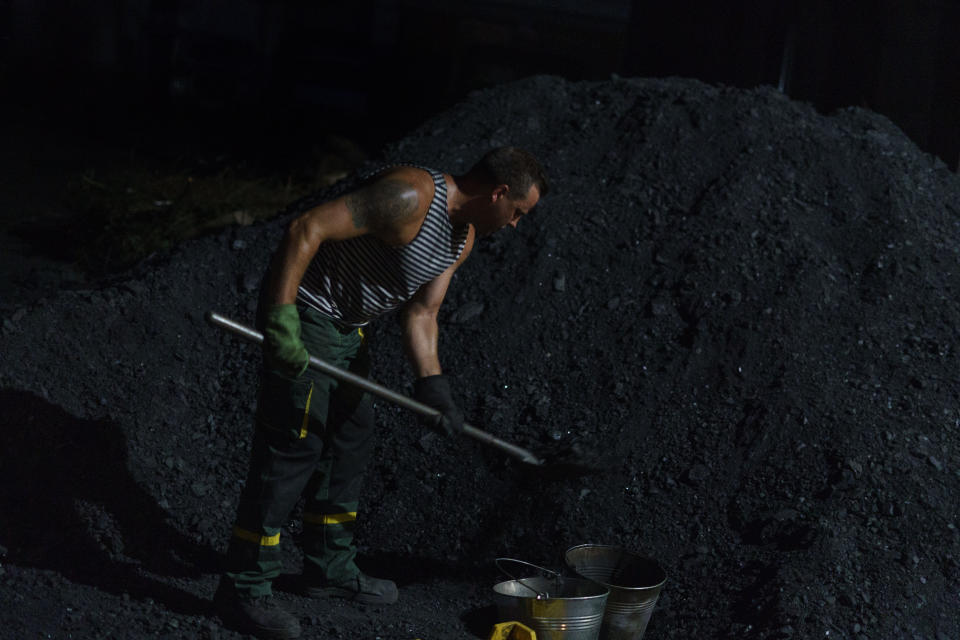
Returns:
<point x="745" y="309"/>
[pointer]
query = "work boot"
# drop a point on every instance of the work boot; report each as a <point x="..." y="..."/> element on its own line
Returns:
<point x="361" y="588"/>
<point x="259" y="616"/>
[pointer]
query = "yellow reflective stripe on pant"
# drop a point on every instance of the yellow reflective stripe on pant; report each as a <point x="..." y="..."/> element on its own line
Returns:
<point x="256" y="538"/>
<point x="327" y="519"/>
<point x="306" y="414"/>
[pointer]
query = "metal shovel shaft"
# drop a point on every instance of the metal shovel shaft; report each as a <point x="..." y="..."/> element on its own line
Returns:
<point x="379" y="390"/>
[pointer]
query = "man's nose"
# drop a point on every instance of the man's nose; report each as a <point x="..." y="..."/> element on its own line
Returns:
<point x="513" y="223"/>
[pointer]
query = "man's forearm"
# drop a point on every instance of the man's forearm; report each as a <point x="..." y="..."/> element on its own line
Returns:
<point x="420" y="340"/>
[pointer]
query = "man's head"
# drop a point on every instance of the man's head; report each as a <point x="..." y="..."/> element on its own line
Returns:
<point x="513" y="182"/>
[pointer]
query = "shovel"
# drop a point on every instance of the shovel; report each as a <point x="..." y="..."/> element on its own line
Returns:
<point x="367" y="385"/>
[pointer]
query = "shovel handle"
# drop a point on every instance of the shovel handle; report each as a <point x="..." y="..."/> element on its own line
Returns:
<point x="379" y="390"/>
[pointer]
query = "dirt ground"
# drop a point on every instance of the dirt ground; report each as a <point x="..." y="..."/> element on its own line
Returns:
<point x="745" y="309"/>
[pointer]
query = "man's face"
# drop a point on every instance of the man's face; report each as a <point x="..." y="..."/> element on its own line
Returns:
<point x="505" y="211"/>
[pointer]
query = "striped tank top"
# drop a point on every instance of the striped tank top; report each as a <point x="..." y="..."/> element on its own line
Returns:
<point x="353" y="281"/>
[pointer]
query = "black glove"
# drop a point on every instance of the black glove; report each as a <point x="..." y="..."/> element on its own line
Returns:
<point x="434" y="391"/>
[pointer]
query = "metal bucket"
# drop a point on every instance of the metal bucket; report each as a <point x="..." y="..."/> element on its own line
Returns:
<point x="634" y="582"/>
<point x="556" y="608"/>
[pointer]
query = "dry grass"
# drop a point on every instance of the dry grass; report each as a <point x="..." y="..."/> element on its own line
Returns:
<point x="135" y="211"/>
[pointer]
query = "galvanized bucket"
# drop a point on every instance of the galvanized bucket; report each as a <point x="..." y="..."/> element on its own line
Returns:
<point x="557" y="608"/>
<point x="634" y="582"/>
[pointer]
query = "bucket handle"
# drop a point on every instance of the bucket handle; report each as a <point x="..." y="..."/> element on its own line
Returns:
<point x="540" y="596"/>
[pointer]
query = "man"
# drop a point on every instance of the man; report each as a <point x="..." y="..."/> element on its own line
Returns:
<point x="393" y="242"/>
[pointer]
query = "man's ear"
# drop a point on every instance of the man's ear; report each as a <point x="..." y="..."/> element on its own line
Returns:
<point x="500" y="191"/>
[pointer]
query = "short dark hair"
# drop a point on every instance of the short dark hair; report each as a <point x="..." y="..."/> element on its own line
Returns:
<point x="514" y="167"/>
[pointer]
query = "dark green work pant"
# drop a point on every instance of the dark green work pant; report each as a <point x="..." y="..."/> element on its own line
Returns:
<point x="313" y="438"/>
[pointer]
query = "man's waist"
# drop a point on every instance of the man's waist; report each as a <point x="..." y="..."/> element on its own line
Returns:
<point x="339" y="325"/>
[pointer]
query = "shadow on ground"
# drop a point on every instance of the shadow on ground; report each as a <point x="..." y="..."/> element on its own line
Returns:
<point x="69" y="504"/>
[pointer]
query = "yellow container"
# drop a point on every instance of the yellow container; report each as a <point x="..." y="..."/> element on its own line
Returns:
<point x="512" y="631"/>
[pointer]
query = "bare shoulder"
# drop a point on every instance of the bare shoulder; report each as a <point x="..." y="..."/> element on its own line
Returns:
<point x="420" y="179"/>
<point x="391" y="200"/>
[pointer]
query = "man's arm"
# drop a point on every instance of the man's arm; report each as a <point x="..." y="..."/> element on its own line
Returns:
<point x="383" y="208"/>
<point x="420" y="333"/>
<point x="420" y="328"/>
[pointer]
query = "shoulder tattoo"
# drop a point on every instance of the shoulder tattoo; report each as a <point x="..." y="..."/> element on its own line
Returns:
<point x="380" y="204"/>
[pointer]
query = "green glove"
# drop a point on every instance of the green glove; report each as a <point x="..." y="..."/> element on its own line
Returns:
<point x="283" y="349"/>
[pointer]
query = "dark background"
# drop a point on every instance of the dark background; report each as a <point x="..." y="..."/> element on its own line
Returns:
<point x="282" y="71"/>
